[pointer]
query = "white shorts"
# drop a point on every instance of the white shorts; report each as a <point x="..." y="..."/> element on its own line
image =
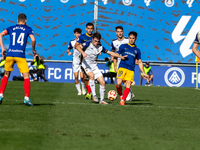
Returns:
<point x="94" y="69"/>
<point x="76" y="67"/>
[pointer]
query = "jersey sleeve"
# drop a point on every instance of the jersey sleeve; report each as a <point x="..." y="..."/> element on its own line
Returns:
<point x="30" y="31"/>
<point x="138" y="54"/>
<point x="120" y="49"/>
<point x="86" y="44"/>
<point x="80" y="40"/>
<point x="112" y="47"/>
<point x="70" y="45"/>
<point x="7" y="31"/>
<point x="104" y="50"/>
<point x="197" y="41"/>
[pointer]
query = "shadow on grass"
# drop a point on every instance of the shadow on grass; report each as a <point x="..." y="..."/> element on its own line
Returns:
<point x="133" y="102"/>
<point x="44" y="104"/>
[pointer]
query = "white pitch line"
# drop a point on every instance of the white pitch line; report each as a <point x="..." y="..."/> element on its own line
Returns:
<point x="75" y="103"/>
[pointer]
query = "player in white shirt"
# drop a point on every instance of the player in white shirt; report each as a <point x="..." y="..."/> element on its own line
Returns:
<point x="76" y="62"/>
<point x="116" y="43"/>
<point x="90" y="55"/>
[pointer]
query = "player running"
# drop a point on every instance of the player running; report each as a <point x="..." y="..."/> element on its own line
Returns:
<point x="16" y="54"/>
<point x="82" y="39"/>
<point x="76" y="62"/>
<point x="116" y="43"/>
<point x="127" y="66"/>
<point x="90" y="55"/>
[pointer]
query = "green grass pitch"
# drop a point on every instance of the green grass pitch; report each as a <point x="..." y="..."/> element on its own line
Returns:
<point x="159" y="118"/>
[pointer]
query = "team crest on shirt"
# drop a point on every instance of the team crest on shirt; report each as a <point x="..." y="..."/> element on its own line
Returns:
<point x="135" y="51"/>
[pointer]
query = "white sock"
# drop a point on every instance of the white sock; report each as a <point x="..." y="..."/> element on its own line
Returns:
<point x="92" y="86"/>
<point x="83" y="84"/>
<point x="1" y="95"/>
<point x="102" y="92"/>
<point x="26" y="98"/>
<point x="78" y="87"/>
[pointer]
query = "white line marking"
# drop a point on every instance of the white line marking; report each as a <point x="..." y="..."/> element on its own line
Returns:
<point x="76" y="103"/>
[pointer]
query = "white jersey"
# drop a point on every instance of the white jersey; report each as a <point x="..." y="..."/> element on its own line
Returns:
<point x="92" y="53"/>
<point x="76" y="53"/>
<point x="116" y="44"/>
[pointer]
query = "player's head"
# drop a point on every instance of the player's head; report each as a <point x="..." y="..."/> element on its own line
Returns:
<point x="147" y="64"/>
<point x="96" y="38"/>
<point x="77" y="32"/>
<point x="119" y="31"/>
<point x="132" y="36"/>
<point x="89" y="28"/>
<point x="21" y="18"/>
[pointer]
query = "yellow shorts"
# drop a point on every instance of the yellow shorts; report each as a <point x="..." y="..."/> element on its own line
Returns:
<point x="21" y="63"/>
<point x="125" y="74"/>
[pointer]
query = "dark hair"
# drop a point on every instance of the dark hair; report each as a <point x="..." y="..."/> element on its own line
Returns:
<point x="89" y="24"/>
<point x="77" y="30"/>
<point x="119" y="27"/>
<point x="21" y="18"/>
<point x="133" y="33"/>
<point x="97" y="35"/>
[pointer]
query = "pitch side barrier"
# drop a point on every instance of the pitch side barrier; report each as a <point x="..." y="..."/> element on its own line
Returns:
<point x="165" y="74"/>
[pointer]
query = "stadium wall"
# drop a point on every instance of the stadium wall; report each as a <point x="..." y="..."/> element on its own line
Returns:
<point x="166" y="28"/>
<point x="173" y="76"/>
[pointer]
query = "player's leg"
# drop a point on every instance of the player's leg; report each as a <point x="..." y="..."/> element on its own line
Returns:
<point x="77" y="84"/>
<point x="129" y="77"/>
<point x="120" y="76"/>
<point x="83" y="82"/>
<point x="23" y="68"/>
<point x="102" y="89"/>
<point x="87" y="85"/>
<point x="9" y="63"/>
<point x="92" y="85"/>
<point x="4" y="84"/>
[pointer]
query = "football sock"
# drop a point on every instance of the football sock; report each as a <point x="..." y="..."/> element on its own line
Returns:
<point x="102" y="92"/>
<point x="130" y="89"/>
<point x="88" y="89"/>
<point x="83" y="84"/>
<point x="119" y="90"/>
<point x="78" y="87"/>
<point x="92" y="86"/>
<point x="125" y="94"/>
<point x="27" y="87"/>
<point x="3" y="84"/>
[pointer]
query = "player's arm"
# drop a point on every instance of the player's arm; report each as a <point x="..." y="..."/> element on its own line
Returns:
<point x="33" y="42"/>
<point x="195" y="49"/>
<point x="5" y="32"/>
<point x="140" y="64"/>
<point x="116" y="55"/>
<point x="69" y="48"/>
<point x="79" y="48"/>
<point x="114" y="59"/>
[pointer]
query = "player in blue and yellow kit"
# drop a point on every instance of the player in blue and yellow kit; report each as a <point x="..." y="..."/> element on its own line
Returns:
<point x="82" y="39"/>
<point x="126" y="67"/>
<point x="16" y="54"/>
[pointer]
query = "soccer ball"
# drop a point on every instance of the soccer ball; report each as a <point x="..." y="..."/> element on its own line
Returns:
<point x="112" y="95"/>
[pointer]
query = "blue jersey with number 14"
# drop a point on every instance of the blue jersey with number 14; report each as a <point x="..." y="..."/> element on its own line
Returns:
<point x="18" y="39"/>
